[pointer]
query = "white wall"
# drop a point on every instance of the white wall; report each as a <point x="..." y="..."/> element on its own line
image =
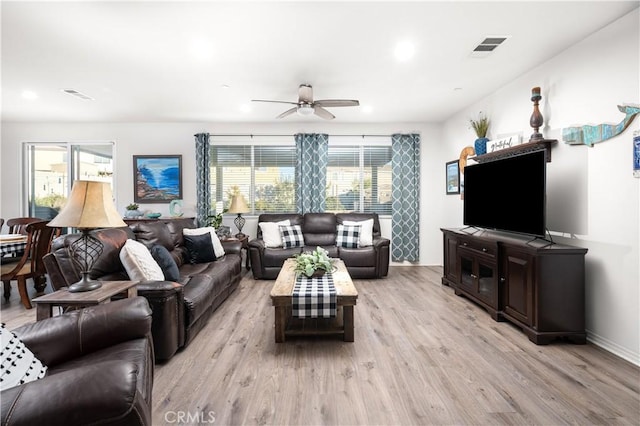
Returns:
<point x="592" y="198"/>
<point x="177" y="138"/>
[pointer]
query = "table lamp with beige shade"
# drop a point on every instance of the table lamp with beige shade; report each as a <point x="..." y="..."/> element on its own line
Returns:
<point x="239" y="206"/>
<point x="90" y="206"/>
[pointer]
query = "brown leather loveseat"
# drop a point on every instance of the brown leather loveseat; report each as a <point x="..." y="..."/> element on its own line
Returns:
<point x="180" y="308"/>
<point x="320" y="229"/>
<point x="100" y="368"/>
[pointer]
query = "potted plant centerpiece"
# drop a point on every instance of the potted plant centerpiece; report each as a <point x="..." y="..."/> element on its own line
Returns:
<point x="481" y="127"/>
<point x="313" y="264"/>
<point x="132" y="211"/>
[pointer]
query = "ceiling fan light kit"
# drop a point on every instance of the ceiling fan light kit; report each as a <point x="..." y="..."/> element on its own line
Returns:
<point x="307" y="106"/>
<point x="305" y="110"/>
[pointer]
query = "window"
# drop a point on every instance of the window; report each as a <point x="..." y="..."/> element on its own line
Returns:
<point x="48" y="169"/>
<point x="263" y="174"/>
<point x="358" y="174"/>
<point x="359" y="179"/>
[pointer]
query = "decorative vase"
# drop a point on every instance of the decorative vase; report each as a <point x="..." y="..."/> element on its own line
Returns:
<point x="132" y="214"/>
<point x="480" y="146"/>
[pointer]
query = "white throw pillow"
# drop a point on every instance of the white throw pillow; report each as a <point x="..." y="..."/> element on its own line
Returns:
<point x="19" y="364"/>
<point x="366" y="231"/>
<point x="218" y="250"/>
<point x="271" y="233"/>
<point x="139" y="263"/>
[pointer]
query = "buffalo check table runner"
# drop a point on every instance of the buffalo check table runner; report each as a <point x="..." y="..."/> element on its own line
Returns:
<point x="314" y="297"/>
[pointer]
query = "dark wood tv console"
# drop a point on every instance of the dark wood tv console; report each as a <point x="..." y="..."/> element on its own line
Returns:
<point x="531" y="283"/>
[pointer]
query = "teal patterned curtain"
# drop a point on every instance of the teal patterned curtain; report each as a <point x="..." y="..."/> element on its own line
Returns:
<point x="405" y="218"/>
<point x="312" y="152"/>
<point x="203" y="181"/>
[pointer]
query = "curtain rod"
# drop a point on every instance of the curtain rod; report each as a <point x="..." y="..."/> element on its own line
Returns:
<point x="292" y="135"/>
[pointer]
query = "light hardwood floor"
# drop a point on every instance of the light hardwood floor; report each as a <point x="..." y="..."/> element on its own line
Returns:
<point x="421" y="356"/>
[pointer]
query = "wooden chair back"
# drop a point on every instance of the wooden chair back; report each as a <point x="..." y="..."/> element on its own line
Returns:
<point x="18" y="225"/>
<point x="1" y="224"/>
<point x="30" y="265"/>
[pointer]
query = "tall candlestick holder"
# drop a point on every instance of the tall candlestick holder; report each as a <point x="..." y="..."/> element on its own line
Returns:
<point x="536" y="120"/>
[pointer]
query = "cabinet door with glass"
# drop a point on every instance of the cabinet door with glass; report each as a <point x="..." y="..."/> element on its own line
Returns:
<point x="478" y="273"/>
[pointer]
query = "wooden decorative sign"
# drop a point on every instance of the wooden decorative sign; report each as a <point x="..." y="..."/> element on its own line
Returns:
<point x="508" y="142"/>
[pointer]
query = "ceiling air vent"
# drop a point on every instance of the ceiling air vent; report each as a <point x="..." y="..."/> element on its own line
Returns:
<point x="77" y="94"/>
<point x="487" y="46"/>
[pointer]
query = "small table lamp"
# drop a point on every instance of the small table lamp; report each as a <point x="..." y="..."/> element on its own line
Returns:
<point x="89" y="206"/>
<point x="239" y="206"/>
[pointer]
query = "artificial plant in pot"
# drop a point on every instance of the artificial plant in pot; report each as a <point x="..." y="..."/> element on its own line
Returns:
<point x="313" y="264"/>
<point x="481" y="127"/>
<point x="132" y="211"/>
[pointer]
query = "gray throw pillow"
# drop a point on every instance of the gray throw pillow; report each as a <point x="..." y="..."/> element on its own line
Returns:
<point x="166" y="262"/>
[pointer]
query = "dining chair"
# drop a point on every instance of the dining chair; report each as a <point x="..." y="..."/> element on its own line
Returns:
<point x="18" y="225"/>
<point x="1" y="224"/>
<point x="30" y="265"/>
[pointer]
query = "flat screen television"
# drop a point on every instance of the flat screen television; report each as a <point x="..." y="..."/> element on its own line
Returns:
<point x="507" y="194"/>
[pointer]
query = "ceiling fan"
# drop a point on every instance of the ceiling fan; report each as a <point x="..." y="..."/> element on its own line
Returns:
<point x="307" y="106"/>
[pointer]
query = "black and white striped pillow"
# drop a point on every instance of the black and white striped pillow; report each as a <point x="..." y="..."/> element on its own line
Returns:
<point x="348" y="236"/>
<point x="291" y="236"/>
<point x="19" y="364"/>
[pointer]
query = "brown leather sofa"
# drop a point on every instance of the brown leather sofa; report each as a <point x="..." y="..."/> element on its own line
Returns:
<point x="320" y="229"/>
<point x="100" y="368"/>
<point x="180" y="309"/>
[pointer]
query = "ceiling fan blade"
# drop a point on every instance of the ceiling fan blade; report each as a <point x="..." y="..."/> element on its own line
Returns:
<point x="288" y="112"/>
<point x="323" y="113"/>
<point x="275" y="102"/>
<point x="305" y="94"/>
<point x="336" y="102"/>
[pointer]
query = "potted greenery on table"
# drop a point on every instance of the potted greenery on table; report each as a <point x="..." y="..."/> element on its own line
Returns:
<point x="481" y="127"/>
<point x="313" y="264"/>
<point x="133" y="211"/>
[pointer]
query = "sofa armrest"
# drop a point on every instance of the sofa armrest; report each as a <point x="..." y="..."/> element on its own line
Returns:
<point x="69" y="336"/>
<point x="167" y="303"/>
<point x="379" y="242"/>
<point x="232" y="247"/>
<point x="382" y="248"/>
<point x="257" y="244"/>
<point x="102" y="393"/>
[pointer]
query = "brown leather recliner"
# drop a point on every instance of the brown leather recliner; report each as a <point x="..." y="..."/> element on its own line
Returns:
<point x="100" y="368"/>
<point x="180" y="309"/>
<point x="320" y="229"/>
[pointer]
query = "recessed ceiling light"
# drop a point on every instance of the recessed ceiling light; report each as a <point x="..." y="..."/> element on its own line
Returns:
<point x="404" y="51"/>
<point x="225" y="86"/>
<point x="29" y="94"/>
<point x="245" y="108"/>
<point x="367" y="109"/>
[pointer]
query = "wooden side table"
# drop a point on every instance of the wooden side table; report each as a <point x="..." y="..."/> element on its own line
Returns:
<point x="102" y="295"/>
<point x="245" y="246"/>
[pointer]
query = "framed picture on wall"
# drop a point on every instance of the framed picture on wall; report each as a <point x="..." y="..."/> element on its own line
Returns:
<point x="157" y="178"/>
<point x="453" y="177"/>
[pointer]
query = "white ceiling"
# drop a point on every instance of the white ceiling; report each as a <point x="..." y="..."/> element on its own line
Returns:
<point x="138" y="60"/>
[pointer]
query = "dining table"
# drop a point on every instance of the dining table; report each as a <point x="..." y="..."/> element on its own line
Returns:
<point x="12" y="244"/>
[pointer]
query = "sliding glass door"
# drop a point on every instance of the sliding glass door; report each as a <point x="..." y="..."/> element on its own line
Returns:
<point x="51" y="168"/>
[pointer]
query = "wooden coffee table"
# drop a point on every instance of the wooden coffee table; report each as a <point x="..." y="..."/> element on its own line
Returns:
<point x="102" y="295"/>
<point x="286" y="325"/>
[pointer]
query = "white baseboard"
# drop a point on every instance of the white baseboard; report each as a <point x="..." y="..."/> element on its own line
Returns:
<point x="614" y="348"/>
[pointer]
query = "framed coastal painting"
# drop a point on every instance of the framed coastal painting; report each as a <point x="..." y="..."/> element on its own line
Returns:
<point x="157" y="178"/>
<point x="453" y="177"/>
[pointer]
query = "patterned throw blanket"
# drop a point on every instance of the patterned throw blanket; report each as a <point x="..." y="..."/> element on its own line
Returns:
<point x="314" y="297"/>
